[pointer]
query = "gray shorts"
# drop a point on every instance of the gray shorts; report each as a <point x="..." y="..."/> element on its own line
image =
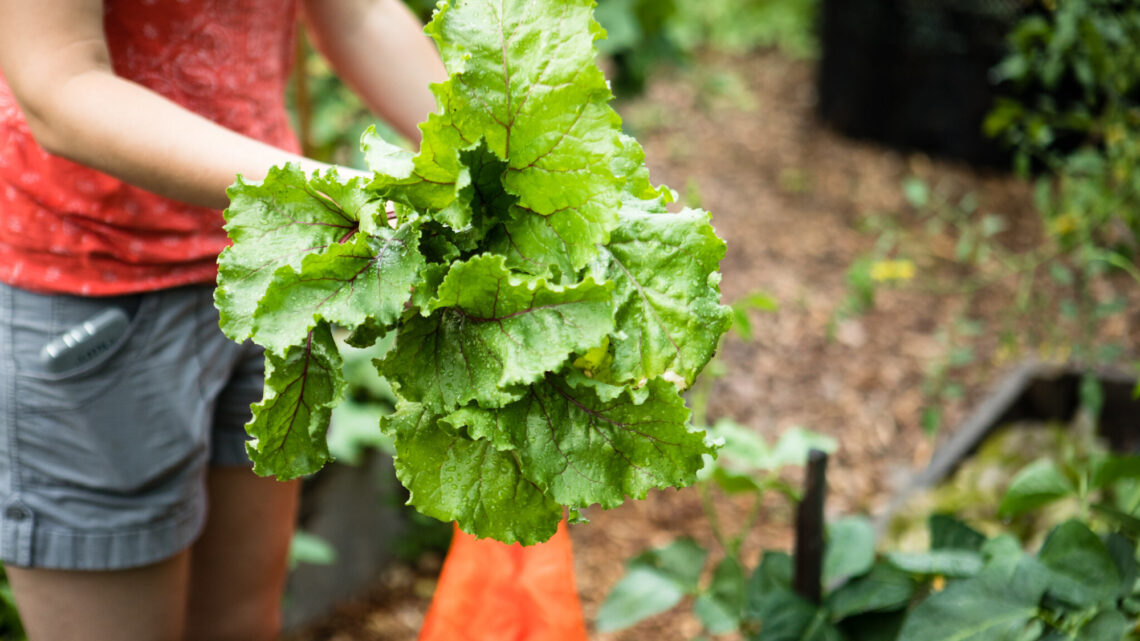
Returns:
<point x="103" y="466"/>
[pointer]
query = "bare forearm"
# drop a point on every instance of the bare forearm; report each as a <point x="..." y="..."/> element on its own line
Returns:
<point x="169" y="150"/>
<point x="379" y="49"/>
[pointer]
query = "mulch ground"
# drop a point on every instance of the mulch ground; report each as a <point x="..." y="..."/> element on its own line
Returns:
<point x="791" y="198"/>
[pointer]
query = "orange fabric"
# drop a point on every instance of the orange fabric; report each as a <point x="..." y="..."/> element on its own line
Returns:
<point x="491" y="591"/>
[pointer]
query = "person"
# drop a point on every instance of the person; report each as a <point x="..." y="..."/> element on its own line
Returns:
<point x="127" y="507"/>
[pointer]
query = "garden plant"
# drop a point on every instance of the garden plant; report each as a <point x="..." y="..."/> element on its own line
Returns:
<point x="547" y="309"/>
<point x="1080" y="584"/>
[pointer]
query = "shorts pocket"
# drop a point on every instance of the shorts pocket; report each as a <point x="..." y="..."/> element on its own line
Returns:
<point x="38" y="320"/>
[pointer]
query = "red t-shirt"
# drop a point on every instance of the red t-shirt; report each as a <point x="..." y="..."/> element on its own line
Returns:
<point x="66" y="228"/>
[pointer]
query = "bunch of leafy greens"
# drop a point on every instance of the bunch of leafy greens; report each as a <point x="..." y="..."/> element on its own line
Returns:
<point x="546" y="307"/>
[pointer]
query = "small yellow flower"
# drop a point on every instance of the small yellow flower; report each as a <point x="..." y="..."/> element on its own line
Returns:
<point x="884" y="270"/>
<point x="938" y="584"/>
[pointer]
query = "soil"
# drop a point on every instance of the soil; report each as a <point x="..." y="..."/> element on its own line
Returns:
<point x="740" y="138"/>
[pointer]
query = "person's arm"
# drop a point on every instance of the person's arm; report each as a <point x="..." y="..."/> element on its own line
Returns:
<point x="378" y="47"/>
<point x="54" y="57"/>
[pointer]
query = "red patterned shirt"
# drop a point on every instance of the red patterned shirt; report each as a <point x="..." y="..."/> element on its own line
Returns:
<point x="66" y="228"/>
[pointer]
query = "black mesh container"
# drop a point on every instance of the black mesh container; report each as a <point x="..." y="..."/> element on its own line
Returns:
<point x="915" y="74"/>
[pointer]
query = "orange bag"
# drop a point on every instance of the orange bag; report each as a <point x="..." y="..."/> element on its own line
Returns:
<point x="491" y="591"/>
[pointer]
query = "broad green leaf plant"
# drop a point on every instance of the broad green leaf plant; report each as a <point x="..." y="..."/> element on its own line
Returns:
<point x="546" y="308"/>
<point x="1080" y="585"/>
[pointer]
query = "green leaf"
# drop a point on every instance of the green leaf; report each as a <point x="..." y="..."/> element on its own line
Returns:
<point x="772" y="574"/>
<point x="430" y="279"/>
<point x="948" y="533"/>
<point x="744" y="451"/>
<point x="850" y="549"/>
<point x="781" y="613"/>
<point x="583" y="450"/>
<point x="1126" y="523"/>
<point x="310" y="548"/>
<point x="1039" y="483"/>
<point x="523" y="79"/>
<point x="1123" y="553"/>
<point x="519" y="185"/>
<point x="971" y="610"/>
<point x="276" y="223"/>
<point x="1083" y="572"/>
<point x="951" y="563"/>
<point x="655" y="581"/>
<point x="491" y="330"/>
<point x="1112" y="468"/>
<point x="454" y="478"/>
<point x="794" y="446"/>
<point x="883" y="588"/>
<point x="784" y="616"/>
<point x="641" y="593"/>
<point x="288" y="425"/>
<point x="666" y="292"/>
<point x="719" y="608"/>
<point x="1002" y="553"/>
<point x="1109" y="625"/>
<point x="682" y="560"/>
<point x="366" y="280"/>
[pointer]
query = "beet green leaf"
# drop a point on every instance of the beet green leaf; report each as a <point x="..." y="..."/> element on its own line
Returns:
<point x="490" y="330"/>
<point x="277" y="223"/>
<point x="664" y="267"/>
<point x="366" y="279"/>
<point x="546" y="310"/>
<point x="583" y="450"/>
<point x="454" y="478"/>
<point x="289" y="424"/>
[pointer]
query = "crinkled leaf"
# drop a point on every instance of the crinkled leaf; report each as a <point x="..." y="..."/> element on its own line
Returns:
<point x="524" y="159"/>
<point x="490" y="330"/>
<point x="524" y="80"/>
<point x="365" y="280"/>
<point x="666" y="289"/>
<point x="454" y="478"/>
<point x="419" y="182"/>
<point x="584" y="450"/>
<point x="428" y="285"/>
<point x="278" y="222"/>
<point x="289" y="424"/>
